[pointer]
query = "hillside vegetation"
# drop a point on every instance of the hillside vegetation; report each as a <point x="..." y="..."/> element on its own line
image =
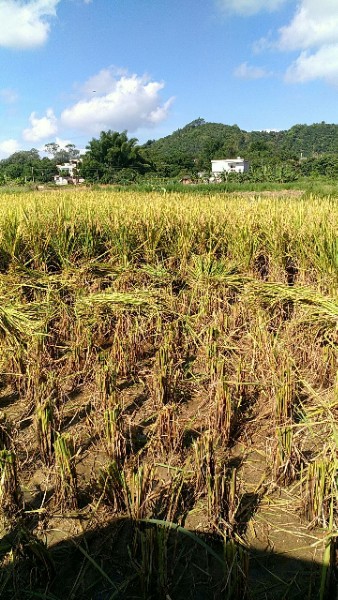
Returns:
<point x="304" y="151"/>
<point x="196" y="144"/>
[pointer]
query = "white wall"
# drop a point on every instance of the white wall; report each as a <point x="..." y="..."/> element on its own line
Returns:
<point x="236" y="165"/>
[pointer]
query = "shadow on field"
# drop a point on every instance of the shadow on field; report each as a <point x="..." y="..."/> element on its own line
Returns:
<point x="126" y="560"/>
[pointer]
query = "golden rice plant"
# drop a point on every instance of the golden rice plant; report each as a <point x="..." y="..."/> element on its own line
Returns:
<point x="167" y="434"/>
<point x="166" y="372"/>
<point x="222" y="409"/>
<point x="204" y="462"/>
<point x="212" y="351"/>
<point x="114" y="438"/>
<point x="287" y="457"/>
<point x="129" y="491"/>
<point x="45" y="428"/>
<point x="105" y="379"/>
<point x="222" y="500"/>
<point x="66" y="477"/>
<point x="320" y="490"/>
<point x="237" y="571"/>
<point x="151" y="561"/>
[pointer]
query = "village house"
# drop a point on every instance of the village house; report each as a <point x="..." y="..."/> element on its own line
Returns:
<point x="68" y="173"/>
<point x="228" y="165"/>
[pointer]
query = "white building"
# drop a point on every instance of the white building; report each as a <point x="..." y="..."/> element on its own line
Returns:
<point x="229" y="165"/>
<point x="68" y="173"/>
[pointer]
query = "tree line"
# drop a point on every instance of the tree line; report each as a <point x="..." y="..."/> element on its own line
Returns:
<point x="113" y="157"/>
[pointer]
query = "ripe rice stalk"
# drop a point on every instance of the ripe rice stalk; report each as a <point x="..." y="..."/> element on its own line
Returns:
<point x="208" y="268"/>
<point x="221" y="411"/>
<point x="285" y="393"/>
<point x="212" y="351"/>
<point x="226" y="408"/>
<point x="150" y="560"/>
<point x="114" y="438"/>
<point x="321" y="490"/>
<point x="10" y="491"/>
<point x="128" y="343"/>
<point x="66" y="482"/>
<point x="222" y="500"/>
<point x="131" y="492"/>
<point x="33" y="380"/>
<point x="166" y="373"/>
<point x="319" y="308"/>
<point x="43" y="389"/>
<point x="19" y="323"/>
<point x="105" y="375"/>
<point x="109" y="302"/>
<point x="167" y="435"/>
<point x="33" y="552"/>
<point x="112" y="484"/>
<point x="287" y="458"/>
<point x="15" y="364"/>
<point x="141" y="492"/>
<point x="236" y="572"/>
<point x="174" y="501"/>
<point x="204" y="466"/>
<point x="45" y="425"/>
<point x="329" y="563"/>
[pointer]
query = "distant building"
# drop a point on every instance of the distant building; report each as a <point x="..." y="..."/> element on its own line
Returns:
<point x="229" y="165"/>
<point x="68" y="173"/>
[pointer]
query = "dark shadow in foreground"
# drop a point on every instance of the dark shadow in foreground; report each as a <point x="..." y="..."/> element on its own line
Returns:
<point x="146" y="560"/>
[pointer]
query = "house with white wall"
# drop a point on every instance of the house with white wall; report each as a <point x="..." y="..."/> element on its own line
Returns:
<point x="229" y="165"/>
<point x="68" y="173"/>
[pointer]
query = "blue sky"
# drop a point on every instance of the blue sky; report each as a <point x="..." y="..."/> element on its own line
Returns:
<point x="72" y="68"/>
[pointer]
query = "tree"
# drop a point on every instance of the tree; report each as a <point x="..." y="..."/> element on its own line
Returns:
<point x="61" y="155"/>
<point x="21" y="166"/>
<point x="73" y="152"/>
<point x="106" y="156"/>
<point x="52" y="148"/>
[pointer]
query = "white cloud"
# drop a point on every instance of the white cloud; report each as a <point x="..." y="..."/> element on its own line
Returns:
<point x="61" y="142"/>
<point x="113" y="99"/>
<point x="314" y="31"/>
<point x="40" y="128"/>
<point x="25" y="24"/>
<point x="250" y="7"/>
<point x="245" y="71"/>
<point x="8" y="96"/>
<point x="314" y="24"/>
<point x="322" y="64"/>
<point x="8" y="147"/>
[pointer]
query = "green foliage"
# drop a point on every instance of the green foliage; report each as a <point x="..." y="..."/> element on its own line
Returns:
<point x="26" y="166"/>
<point x="275" y="156"/>
<point x="113" y="158"/>
<point x="61" y="155"/>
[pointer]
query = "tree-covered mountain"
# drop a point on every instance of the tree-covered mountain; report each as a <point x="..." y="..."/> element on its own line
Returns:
<point x="195" y="145"/>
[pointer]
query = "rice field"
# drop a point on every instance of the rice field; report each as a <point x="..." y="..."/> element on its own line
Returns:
<point x="168" y="396"/>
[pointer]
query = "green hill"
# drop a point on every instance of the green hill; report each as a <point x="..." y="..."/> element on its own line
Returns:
<point x="196" y="144"/>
